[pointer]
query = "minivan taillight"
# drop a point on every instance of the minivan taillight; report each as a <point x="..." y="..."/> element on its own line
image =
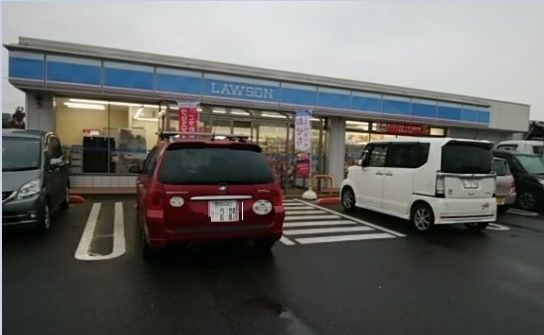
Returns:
<point x="277" y="196"/>
<point x="440" y="186"/>
<point x="155" y="196"/>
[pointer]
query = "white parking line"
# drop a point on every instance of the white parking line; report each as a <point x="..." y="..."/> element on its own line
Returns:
<point x="119" y="243"/>
<point x="342" y="238"/>
<point x="318" y="223"/>
<point x="332" y="230"/>
<point x="521" y="212"/>
<point x="494" y="226"/>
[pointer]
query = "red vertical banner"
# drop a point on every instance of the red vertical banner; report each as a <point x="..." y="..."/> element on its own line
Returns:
<point x="188" y="117"/>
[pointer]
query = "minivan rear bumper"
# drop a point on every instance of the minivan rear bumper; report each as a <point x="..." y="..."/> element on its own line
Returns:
<point x="158" y="235"/>
<point x="450" y="211"/>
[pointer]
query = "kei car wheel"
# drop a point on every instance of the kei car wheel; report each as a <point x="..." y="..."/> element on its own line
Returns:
<point x="45" y="221"/>
<point x="527" y="200"/>
<point x="348" y="199"/>
<point x="423" y="217"/>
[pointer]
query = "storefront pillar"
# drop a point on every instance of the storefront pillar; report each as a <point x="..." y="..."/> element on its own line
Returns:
<point x="336" y="147"/>
<point x="39" y="111"/>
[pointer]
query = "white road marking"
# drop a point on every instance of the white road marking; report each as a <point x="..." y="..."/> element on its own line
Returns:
<point x="290" y="213"/>
<point x="353" y="219"/>
<point x="318" y="223"/>
<point x="342" y="238"/>
<point x="286" y="241"/>
<point x="310" y="217"/>
<point x="521" y="212"/>
<point x="325" y="230"/>
<point x="494" y="226"/>
<point x="119" y="243"/>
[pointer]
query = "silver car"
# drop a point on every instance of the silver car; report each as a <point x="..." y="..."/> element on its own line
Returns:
<point x="506" y="185"/>
<point x="34" y="178"/>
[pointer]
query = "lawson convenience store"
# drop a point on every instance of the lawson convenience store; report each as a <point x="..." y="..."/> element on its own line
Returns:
<point x="107" y="104"/>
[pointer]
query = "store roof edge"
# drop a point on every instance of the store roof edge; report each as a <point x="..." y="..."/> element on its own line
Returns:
<point x="36" y="44"/>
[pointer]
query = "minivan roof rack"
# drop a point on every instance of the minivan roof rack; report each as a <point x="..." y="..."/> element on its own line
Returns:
<point x="173" y="135"/>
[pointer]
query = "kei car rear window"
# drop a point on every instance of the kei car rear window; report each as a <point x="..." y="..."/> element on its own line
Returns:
<point x="466" y="157"/>
<point x="214" y="166"/>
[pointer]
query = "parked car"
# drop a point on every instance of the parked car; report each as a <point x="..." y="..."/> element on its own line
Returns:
<point x="194" y="190"/>
<point x="528" y="171"/>
<point x="505" y="186"/>
<point x="426" y="180"/>
<point x="528" y="147"/>
<point x="34" y="178"/>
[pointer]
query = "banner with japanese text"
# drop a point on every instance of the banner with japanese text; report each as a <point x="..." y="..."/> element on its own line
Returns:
<point x="188" y="116"/>
<point x="303" y="143"/>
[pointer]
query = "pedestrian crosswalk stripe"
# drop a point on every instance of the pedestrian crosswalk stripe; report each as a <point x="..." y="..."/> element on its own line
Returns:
<point x="318" y="223"/>
<point x="342" y="238"/>
<point x="286" y="241"/>
<point x="392" y="232"/>
<point x="311" y="231"/>
<point x="304" y="212"/>
<point x="311" y="217"/>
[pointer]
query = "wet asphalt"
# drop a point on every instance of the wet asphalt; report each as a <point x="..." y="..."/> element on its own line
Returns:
<point x="450" y="281"/>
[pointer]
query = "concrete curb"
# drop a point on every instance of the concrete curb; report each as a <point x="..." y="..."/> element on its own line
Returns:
<point x="328" y="201"/>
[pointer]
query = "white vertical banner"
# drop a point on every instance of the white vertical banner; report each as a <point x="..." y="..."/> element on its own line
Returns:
<point x="303" y="143"/>
<point x="302" y="131"/>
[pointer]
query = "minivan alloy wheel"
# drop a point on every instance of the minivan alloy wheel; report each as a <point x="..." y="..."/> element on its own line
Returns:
<point x="423" y="217"/>
<point x="348" y="199"/>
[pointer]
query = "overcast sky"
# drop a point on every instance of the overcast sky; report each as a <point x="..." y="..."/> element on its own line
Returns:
<point x="485" y="49"/>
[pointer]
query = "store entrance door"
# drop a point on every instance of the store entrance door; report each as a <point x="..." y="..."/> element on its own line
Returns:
<point x="274" y="140"/>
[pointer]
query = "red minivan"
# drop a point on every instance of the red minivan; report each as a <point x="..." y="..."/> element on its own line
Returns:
<point x="194" y="190"/>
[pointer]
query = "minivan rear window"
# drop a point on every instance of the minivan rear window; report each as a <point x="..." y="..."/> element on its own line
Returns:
<point x="214" y="166"/>
<point x="466" y="157"/>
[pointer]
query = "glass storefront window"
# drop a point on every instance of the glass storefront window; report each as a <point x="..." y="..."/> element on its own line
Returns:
<point x="105" y="136"/>
<point x="437" y="131"/>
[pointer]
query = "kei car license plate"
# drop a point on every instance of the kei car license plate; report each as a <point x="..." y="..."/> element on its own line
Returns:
<point x="470" y="183"/>
<point x="223" y="211"/>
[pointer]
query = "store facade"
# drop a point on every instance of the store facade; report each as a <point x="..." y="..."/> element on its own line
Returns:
<point x="107" y="105"/>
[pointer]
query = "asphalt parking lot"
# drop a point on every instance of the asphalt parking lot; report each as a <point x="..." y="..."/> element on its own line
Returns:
<point x="364" y="273"/>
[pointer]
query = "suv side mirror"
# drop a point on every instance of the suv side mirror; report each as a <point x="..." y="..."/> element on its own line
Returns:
<point x="135" y="169"/>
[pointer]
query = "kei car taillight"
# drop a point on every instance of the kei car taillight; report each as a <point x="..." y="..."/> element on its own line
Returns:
<point x="277" y="196"/>
<point x="513" y="185"/>
<point x="155" y="196"/>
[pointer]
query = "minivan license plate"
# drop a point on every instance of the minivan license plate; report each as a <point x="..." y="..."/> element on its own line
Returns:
<point x="470" y="183"/>
<point x="223" y="211"/>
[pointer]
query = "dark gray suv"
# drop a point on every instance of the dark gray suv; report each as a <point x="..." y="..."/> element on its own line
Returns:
<point x="34" y="178"/>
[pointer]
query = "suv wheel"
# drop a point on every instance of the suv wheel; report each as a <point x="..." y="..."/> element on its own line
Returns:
<point x="423" y="217"/>
<point x="348" y="199"/>
<point x="527" y="200"/>
<point x="477" y="226"/>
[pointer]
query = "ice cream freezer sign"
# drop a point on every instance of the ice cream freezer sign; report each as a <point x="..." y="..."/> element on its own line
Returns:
<point x="188" y="117"/>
